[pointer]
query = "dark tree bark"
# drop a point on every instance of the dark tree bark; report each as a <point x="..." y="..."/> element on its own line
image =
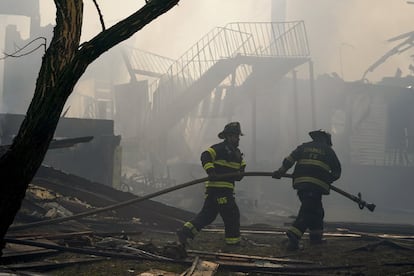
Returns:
<point x="63" y="64"/>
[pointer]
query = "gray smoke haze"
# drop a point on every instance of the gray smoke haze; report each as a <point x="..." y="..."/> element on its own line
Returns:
<point x="346" y="36"/>
<point x="357" y="30"/>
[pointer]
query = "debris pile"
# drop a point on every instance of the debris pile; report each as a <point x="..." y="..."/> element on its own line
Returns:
<point x="139" y="239"/>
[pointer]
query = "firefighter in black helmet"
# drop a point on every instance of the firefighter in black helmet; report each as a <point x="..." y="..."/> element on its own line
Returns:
<point x="316" y="167"/>
<point x="221" y="158"/>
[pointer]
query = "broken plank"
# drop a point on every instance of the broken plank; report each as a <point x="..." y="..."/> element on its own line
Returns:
<point x="205" y="268"/>
<point x="248" y="257"/>
<point x="201" y="268"/>
<point x="271" y="267"/>
<point x="49" y="235"/>
<point x="157" y="272"/>
<point x="19" y="256"/>
<point x="95" y="252"/>
<point x="192" y="268"/>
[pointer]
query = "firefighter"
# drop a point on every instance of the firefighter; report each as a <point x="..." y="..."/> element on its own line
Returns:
<point x="316" y="167"/>
<point x="221" y="158"/>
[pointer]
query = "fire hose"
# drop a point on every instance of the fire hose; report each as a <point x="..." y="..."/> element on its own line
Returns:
<point x="357" y="199"/>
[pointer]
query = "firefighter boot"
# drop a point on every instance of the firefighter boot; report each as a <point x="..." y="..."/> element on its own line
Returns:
<point x="174" y="251"/>
<point x="184" y="234"/>
<point x="316" y="237"/>
<point x="293" y="241"/>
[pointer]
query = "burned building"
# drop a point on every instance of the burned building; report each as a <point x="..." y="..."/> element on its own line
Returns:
<point x="98" y="160"/>
<point x="261" y="74"/>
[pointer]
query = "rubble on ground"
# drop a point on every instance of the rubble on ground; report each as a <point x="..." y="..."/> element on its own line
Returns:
<point x="138" y="240"/>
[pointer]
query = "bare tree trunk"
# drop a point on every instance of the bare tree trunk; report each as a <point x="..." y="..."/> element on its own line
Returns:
<point x="63" y="64"/>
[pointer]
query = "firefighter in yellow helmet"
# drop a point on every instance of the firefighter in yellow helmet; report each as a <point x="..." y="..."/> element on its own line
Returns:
<point x="221" y="158"/>
<point x="316" y="167"/>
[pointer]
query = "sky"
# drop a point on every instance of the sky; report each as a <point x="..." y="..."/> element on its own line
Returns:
<point x="345" y="36"/>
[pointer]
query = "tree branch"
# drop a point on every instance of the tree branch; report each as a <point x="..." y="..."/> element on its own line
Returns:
<point x="100" y="15"/>
<point x="15" y="53"/>
<point x="124" y="29"/>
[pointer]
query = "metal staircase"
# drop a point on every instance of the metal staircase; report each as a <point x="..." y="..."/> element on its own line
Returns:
<point x="264" y="51"/>
<point x="140" y="62"/>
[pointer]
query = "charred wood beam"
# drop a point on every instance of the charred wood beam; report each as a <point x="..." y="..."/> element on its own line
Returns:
<point x="261" y="267"/>
<point x="99" y="199"/>
<point x="45" y="266"/>
<point x="372" y="246"/>
<point x="52" y="236"/>
<point x="101" y="253"/>
<point x="25" y="256"/>
<point x="249" y="258"/>
<point x="69" y="142"/>
<point x="59" y="143"/>
<point x="125" y="203"/>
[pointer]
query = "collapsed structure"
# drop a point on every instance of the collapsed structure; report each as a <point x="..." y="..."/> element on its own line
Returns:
<point x="170" y="109"/>
<point x="152" y="128"/>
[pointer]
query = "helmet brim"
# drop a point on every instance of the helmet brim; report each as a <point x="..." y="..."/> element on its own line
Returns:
<point x="222" y="135"/>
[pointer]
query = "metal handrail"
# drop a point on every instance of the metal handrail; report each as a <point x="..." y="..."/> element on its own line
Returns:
<point x="220" y="43"/>
<point x="261" y="39"/>
<point x="144" y="61"/>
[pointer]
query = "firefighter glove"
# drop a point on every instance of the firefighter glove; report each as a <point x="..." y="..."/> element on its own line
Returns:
<point x="239" y="177"/>
<point x="212" y="176"/>
<point x="278" y="174"/>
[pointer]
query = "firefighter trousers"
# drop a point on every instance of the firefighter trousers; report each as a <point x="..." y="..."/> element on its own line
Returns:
<point x="214" y="204"/>
<point x="310" y="216"/>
